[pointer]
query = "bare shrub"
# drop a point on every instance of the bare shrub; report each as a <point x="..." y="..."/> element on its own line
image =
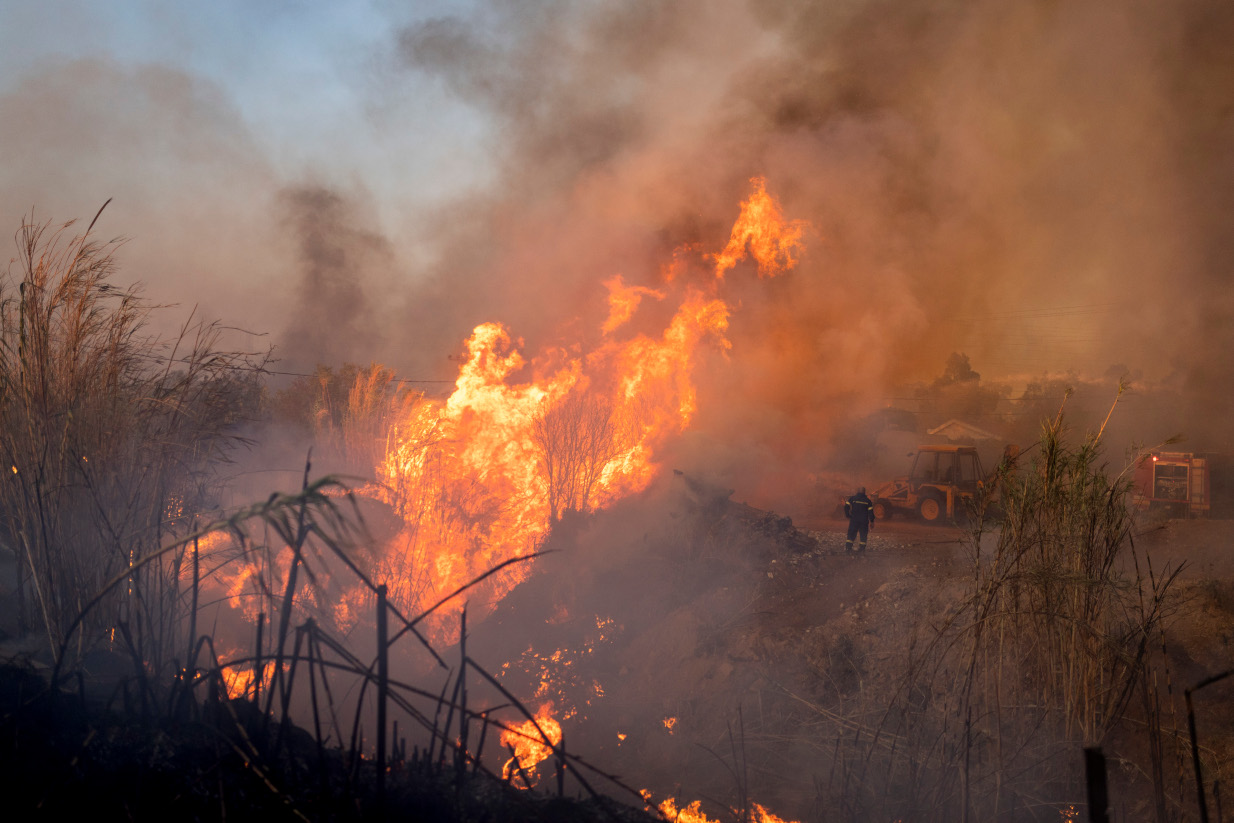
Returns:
<point x="577" y="438"/>
<point x="356" y="427"/>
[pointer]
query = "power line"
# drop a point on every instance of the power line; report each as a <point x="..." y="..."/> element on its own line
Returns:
<point x="314" y="374"/>
<point x="263" y="370"/>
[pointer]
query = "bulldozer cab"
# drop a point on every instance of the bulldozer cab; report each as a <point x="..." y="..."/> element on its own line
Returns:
<point x="953" y="466"/>
<point x="941" y="481"/>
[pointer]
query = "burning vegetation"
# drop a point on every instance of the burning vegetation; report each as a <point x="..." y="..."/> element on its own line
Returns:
<point x="476" y="483"/>
<point x="337" y="650"/>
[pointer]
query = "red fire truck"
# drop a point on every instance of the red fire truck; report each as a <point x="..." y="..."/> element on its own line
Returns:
<point x="1175" y="481"/>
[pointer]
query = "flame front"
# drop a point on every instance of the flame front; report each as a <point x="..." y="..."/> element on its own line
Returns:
<point x="481" y="477"/>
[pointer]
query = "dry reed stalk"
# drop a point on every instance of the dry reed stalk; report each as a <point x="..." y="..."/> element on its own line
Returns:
<point x="109" y="439"/>
<point x="1039" y="659"/>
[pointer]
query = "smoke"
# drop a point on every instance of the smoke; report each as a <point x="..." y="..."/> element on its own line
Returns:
<point x="344" y="270"/>
<point x="1045" y="188"/>
<point x="188" y="186"/>
<point x="211" y="228"/>
<point x="1037" y="187"/>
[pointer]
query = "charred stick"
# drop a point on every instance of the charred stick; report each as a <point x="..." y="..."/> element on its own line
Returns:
<point x="259" y="668"/>
<point x="383" y="690"/>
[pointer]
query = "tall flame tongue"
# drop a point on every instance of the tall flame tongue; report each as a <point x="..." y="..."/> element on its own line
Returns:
<point x="762" y="229"/>
<point x="480" y="478"/>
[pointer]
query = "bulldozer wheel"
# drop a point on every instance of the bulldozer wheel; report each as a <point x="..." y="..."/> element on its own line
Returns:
<point x="930" y="509"/>
<point x="881" y="510"/>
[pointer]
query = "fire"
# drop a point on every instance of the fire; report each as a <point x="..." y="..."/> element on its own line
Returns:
<point x="485" y="478"/>
<point x="239" y="680"/>
<point x="529" y="746"/>
<point x="761" y="815"/>
<point x="481" y="477"/>
<point x="690" y="814"/>
<point x="761" y="228"/>
<point x="557" y="675"/>
<point x="693" y="813"/>
<point x="623" y="301"/>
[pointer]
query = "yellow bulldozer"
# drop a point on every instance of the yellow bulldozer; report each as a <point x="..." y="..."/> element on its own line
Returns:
<point x="939" y="485"/>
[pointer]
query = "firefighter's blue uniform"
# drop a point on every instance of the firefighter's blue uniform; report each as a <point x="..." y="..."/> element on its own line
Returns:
<point x="860" y="512"/>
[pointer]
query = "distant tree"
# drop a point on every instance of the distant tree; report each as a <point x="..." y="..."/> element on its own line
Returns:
<point x="957" y="370"/>
<point x="960" y="393"/>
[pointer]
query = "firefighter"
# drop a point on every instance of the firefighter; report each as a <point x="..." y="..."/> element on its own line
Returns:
<point x="860" y="512"/>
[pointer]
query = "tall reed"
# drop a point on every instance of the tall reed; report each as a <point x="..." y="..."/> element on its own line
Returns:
<point x="109" y="440"/>
<point x="1040" y="657"/>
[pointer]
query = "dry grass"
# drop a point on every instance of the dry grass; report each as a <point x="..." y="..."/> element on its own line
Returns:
<point x="109" y="440"/>
<point x="1042" y="657"/>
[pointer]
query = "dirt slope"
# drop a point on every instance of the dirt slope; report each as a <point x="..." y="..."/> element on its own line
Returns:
<point x="730" y="657"/>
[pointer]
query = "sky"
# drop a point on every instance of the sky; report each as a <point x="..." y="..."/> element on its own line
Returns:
<point x="305" y="79"/>
<point x="1043" y="186"/>
<point x="197" y="120"/>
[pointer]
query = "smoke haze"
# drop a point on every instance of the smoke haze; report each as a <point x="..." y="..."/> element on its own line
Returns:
<point x="1046" y="187"/>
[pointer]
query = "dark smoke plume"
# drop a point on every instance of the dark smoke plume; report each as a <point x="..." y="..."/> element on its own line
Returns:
<point x="1046" y="187"/>
<point x="343" y="285"/>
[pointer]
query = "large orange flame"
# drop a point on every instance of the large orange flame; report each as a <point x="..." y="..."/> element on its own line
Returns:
<point x="482" y="480"/>
<point x="762" y="229"/>
<point x="481" y="477"/>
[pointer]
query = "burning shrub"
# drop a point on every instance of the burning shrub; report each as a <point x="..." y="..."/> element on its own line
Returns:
<point x="577" y="440"/>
